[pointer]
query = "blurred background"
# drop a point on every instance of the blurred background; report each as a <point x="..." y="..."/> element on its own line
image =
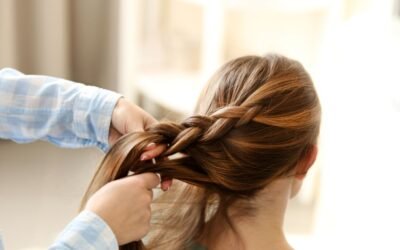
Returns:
<point x="159" y="54"/>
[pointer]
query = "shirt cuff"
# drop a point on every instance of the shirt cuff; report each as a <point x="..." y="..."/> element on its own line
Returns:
<point x="86" y="231"/>
<point x="93" y="113"/>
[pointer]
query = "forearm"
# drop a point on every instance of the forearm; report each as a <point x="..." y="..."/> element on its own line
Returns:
<point x="65" y="113"/>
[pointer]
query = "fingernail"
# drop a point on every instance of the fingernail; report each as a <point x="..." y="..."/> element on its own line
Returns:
<point x="151" y="146"/>
<point x="144" y="157"/>
<point x="164" y="186"/>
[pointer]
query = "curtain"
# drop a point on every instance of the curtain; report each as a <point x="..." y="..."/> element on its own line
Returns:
<point x="72" y="39"/>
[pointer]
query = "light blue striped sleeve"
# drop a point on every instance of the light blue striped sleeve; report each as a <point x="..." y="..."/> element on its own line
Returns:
<point x="1" y="243"/>
<point x="87" y="231"/>
<point x="68" y="114"/>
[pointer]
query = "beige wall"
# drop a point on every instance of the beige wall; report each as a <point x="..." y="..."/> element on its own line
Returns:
<point x="40" y="191"/>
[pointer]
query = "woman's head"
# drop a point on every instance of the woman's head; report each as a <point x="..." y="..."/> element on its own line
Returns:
<point x="256" y="120"/>
<point x="265" y="117"/>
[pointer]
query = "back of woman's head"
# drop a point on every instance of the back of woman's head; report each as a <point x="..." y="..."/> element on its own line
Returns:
<point x="257" y="117"/>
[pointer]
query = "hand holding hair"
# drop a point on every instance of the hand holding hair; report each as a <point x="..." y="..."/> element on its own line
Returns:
<point x="127" y="118"/>
<point x="124" y="205"/>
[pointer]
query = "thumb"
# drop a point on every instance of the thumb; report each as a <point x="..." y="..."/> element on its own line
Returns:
<point x="150" y="180"/>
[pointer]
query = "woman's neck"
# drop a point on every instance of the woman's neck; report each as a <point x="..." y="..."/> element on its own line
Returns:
<point x="262" y="230"/>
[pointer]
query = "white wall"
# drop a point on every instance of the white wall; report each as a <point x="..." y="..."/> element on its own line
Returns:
<point x="360" y="137"/>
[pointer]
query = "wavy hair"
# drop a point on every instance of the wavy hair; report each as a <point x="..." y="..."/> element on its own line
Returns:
<point x="257" y="117"/>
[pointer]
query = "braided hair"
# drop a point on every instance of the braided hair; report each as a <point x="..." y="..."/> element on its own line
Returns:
<point x="257" y="117"/>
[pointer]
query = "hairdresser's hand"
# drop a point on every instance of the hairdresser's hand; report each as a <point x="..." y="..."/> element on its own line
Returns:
<point x="126" y="118"/>
<point x="124" y="205"/>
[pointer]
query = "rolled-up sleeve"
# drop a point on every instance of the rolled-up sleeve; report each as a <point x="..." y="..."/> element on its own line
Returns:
<point x="68" y="114"/>
<point x="87" y="231"/>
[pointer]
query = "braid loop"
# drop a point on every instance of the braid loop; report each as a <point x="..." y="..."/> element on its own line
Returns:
<point x="184" y="139"/>
<point x="242" y="114"/>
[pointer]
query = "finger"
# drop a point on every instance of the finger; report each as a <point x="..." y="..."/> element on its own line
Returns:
<point x="153" y="153"/>
<point x="150" y="180"/>
<point x="166" y="183"/>
<point x="150" y="146"/>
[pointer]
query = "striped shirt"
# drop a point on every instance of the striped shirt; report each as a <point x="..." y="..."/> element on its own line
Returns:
<point x="67" y="114"/>
<point x="87" y="231"/>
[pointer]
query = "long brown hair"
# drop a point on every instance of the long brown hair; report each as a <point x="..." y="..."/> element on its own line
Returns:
<point x="257" y="117"/>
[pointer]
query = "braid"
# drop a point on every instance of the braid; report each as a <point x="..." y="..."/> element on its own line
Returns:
<point x="206" y="129"/>
<point x="241" y="115"/>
